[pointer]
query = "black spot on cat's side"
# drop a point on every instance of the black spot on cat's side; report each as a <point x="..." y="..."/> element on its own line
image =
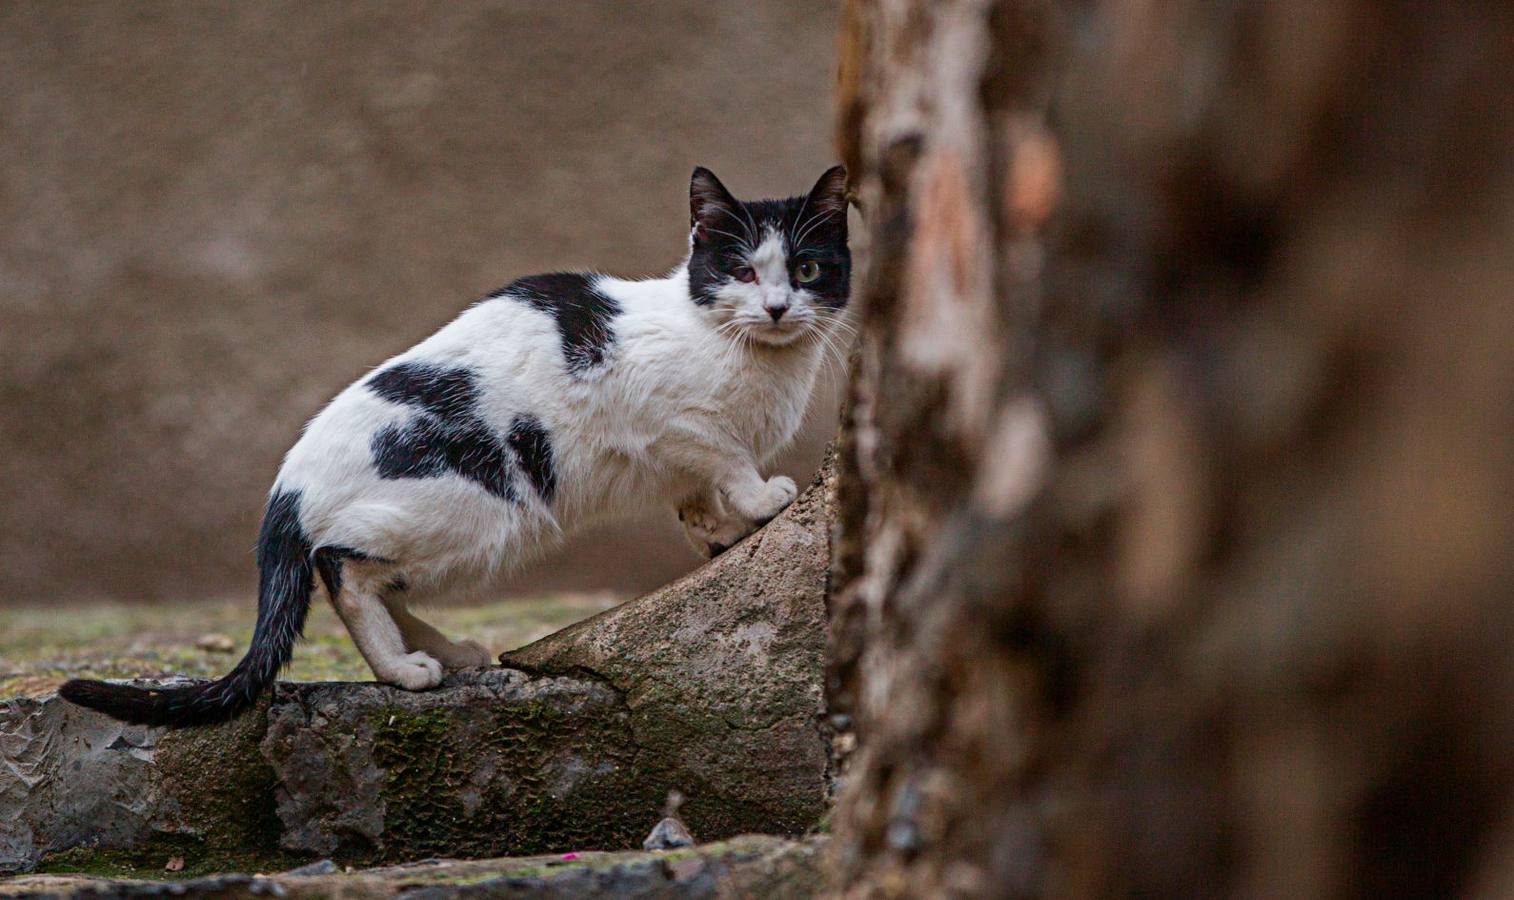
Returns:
<point x="448" y="435"/>
<point x="445" y="393"/>
<point x="428" y="446"/>
<point x="583" y="314"/>
<point x="532" y="445"/>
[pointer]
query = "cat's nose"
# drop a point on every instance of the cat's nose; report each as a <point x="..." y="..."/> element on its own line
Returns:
<point x="776" y="310"/>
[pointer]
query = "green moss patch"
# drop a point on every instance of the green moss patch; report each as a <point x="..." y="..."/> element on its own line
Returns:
<point x="150" y="861"/>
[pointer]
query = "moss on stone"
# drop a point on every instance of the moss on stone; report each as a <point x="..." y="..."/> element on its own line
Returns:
<point x="427" y="773"/>
<point x="418" y="753"/>
<point x="222" y="815"/>
<point x="148" y="861"/>
<point x="222" y="786"/>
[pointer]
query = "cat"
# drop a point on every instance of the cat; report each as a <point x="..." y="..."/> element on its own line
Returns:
<point x="557" y="401"/>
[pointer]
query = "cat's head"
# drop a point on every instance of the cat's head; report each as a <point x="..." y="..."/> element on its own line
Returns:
<point x="773" y="271"/>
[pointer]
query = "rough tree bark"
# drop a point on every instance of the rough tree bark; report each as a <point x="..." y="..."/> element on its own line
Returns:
<point x="1175" y="553"/>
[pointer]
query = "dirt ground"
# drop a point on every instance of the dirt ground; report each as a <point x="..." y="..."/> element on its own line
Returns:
<point x="215" y="216"/>
<point x="41" y="647"/>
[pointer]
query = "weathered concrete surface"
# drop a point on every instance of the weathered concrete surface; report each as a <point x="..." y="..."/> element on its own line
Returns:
<point x="710" y="687"/>
<point x="497" y="761"/>
<point x="69" y="777"/>
<point x="751" y="866"/>
<point x="718" y="673"/>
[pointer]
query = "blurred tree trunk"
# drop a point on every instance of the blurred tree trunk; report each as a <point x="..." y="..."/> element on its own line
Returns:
<point x="1176" y="553"/>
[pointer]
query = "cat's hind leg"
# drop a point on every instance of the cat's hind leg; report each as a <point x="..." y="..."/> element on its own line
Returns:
<point x="709" y="526"/>
<point x="359" y="603"/>
<point x="424" y="637"/>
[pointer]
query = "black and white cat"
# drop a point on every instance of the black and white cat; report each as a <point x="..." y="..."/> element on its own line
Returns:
<point x="559" y="400"/>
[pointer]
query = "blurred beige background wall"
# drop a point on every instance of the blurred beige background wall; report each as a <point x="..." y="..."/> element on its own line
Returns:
<point x="213" y="216"/>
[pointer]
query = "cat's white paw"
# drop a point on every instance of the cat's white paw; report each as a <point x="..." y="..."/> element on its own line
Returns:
<point x="414" y="672"/>
<point x="466" y="655"/>
<point x="768" y="501"/>
<point x="710" y="534"/>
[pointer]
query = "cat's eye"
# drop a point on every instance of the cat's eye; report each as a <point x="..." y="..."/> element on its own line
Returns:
<point x="807" y="271"/>
<point x="744" y="273"/>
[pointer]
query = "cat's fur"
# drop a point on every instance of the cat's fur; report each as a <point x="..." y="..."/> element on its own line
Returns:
<point x="559" y="400"/>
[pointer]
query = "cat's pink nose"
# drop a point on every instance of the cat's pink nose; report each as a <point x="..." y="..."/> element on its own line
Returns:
<point x="776" y="311"/>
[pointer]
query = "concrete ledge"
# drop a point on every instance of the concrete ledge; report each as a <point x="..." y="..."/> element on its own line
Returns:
<point x="710" y="686"/>
<point x="753" y="866"/>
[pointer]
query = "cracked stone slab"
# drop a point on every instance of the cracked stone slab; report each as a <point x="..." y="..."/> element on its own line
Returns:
<point x="710" y="687"/>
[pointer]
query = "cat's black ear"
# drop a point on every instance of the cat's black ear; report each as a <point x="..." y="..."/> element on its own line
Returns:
<point x="709" y="201"/>
<point x="829" y="193"/>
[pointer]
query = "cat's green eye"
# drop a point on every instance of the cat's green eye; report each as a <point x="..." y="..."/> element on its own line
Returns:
<point x="808" y="271"/>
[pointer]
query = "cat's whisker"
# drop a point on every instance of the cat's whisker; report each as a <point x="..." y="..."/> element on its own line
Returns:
<point x="839" y="332"/>
<point x="838" y="318"/>
<point x="747" y="225"/>
<point x="843" y="333"/>
<point x="752" y="225"/>
<point x="744" y="242"/>
<point x="834" y="354"/>
<point x="815" y="221"/>
<point x="800" y="217"/>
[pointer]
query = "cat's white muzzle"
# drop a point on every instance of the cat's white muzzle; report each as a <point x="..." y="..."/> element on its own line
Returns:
<point x="781" y="333"/>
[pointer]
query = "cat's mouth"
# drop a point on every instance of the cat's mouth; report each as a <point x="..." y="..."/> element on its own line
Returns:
<point x="778" y="334"/>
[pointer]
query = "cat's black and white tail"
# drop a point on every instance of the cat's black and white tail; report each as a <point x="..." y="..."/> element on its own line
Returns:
<point x="286" y="577"/>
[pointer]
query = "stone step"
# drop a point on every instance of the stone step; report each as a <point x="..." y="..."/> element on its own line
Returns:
<point x="710" y="687"/>
<point x="750" y="866"/>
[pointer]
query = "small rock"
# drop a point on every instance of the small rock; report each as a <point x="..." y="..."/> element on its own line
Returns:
<point x="669" y="833"/>
<point x="215" y="643"/>
<point x="175" y="864"/>
<point x="323" y="867"/>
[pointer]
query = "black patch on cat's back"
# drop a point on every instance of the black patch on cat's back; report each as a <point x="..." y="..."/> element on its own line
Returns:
<point x="582" y="312"/>
<point x="449" y="435"/>
<point x="445" y="393"/>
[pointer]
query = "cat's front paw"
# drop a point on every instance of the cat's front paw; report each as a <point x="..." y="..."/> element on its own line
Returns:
<point x="768" y="501"/>
<point x="709" y="534"/>
<point x="414" y="672"/>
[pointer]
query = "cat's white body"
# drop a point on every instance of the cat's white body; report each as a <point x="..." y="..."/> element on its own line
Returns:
<point x="565" y="399"/>
<point x="675" y="405"/>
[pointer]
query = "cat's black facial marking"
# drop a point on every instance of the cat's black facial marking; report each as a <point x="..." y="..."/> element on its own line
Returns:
<point x="447" y="434"/>
<point x="726" y="231"/>
<point x="584" y="315"/>
<point x="529" y="439"/>
<point x="724" y="234"/>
